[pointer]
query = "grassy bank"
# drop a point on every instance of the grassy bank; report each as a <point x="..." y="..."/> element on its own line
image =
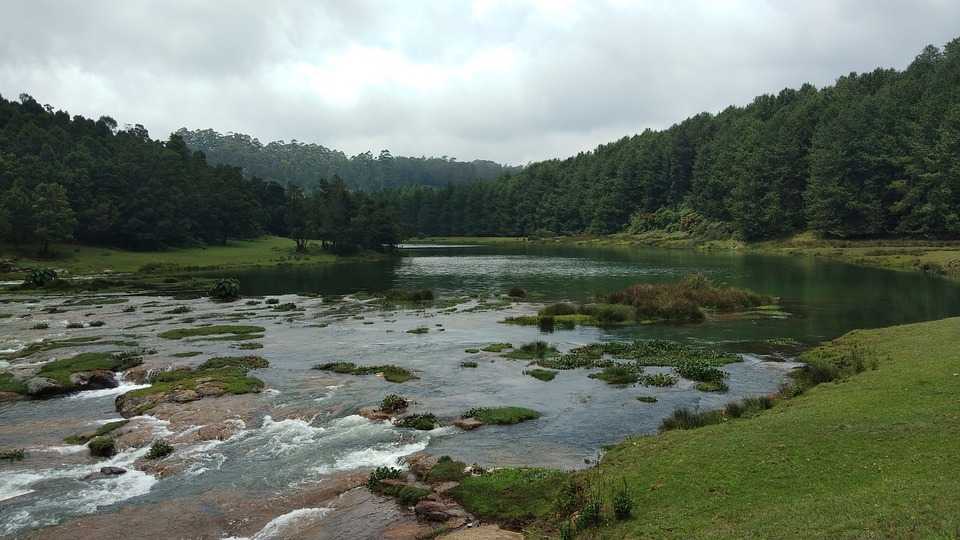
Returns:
<point x="81" y="260"/>
<point x="872" y="454"/>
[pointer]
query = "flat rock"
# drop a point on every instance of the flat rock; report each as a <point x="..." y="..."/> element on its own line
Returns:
<point x="183" y="396"/>
<point x="467" y="424"/>
<point x="421" y="463"/>
<point x="207" y="389"/>
<point x="438" y="511"/>
<point x="94" y="380"/>
<point x="373" y="413"/>
<point x="105" y="472"/>
<point x="10" y="396"/>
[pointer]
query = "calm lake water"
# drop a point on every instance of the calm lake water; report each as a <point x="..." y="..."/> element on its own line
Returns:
<point x="277" y="450"/>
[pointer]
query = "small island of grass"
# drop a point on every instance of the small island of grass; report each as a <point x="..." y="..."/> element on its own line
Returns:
<point x="394" y="374"/>
<point x="502" y="415"/>
<point x="214" y="330"/>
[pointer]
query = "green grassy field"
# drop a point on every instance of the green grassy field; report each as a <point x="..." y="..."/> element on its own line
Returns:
<point x="80" y="260"/>
<point x="873" y="456"/>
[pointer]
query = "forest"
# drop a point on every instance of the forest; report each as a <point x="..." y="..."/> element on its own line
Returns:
<point x="874" y="155"/>
<point x="304" y="164"/>
<point x="73" y="178"/>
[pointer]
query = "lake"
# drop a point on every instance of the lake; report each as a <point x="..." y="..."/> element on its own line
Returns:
<point x="304" y="428"/>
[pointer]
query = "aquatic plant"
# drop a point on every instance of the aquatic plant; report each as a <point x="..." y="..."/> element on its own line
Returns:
<point x="698" y="369"/>
<point x="40" y="326"/>
<point x="96" y="324"/>
<point x="501" y="415"/>
<point x="393" y="403"/>
<point x="659" y="379"/>
<point x="178" y="310"/>
<point x="419" y="330"/>
<point x="712" y="386"/>
<point x="74" y="325"/>
<point x="227" y="289"/>
<point x="532" y="351"/>
<point x="542" y="374"/>
<point x="129" y="309"/>
<point x="647" y="399"/>
<point x="471" y="351"/>
<point x="272" y="301"/>
<point x="422" y="422"/>
<point x="686" y="299"/>
<point x="497" y="347"/>
<point x="236" y="330"/>
<point x="618" y="374"/>
<point x="391" y="373"/>
<point x="468" y="364"/>
<point x="246" y="362"/>
<point x="159" y="449"/>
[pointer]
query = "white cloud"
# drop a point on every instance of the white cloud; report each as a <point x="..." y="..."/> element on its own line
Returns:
<point x="494" y="79"/>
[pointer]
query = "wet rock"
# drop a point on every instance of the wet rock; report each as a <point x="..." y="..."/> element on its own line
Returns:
<point x="94" y="380"/>
<point x="105" y="472"/>
<point x="137" y="374"/>
<point x="421" y="463"/>
<point x="467" y="424"/>
<point x="439" y="511"/>
<point x="43" y="387"/>
<point x="373" y="413"/>
<point x="10" y="396"/>
<point x="219" y="431"/>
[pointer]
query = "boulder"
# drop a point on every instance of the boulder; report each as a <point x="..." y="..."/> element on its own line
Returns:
<point x="439" y="511"/>
<point x="467" y="424"/>
<point x="219" y="431"/>
<point x="129" y="405"/>
<point x="44" y="387"/>
<point x="421" y="463"/>
<point x="105" y="472"/>
<point x="93" y="380"/>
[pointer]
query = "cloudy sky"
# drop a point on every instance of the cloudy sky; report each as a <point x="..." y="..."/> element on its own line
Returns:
<point x="511" y="81"/>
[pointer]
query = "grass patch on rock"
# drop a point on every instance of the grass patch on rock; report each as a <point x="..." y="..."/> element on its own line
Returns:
<point x="545" y="375"/>
<point x="391" y="373"/>
<point x="61" y="370"/>
<point x="532" y="351"/>
<point x="214" y="330"/>
<point x="497" y="347"/>
<point x="502" y="415"/>
<point x="514" y="497"/>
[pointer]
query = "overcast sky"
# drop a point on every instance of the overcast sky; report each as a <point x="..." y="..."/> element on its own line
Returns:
<point x="504" y="80"/>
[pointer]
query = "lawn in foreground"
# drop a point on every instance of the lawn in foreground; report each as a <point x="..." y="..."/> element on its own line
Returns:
<point x="873" y="456"/>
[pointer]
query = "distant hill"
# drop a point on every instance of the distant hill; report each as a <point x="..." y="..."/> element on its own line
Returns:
<point x="303" y="163"/>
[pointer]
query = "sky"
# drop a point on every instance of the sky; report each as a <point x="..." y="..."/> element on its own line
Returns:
<point x="510" y="81"/>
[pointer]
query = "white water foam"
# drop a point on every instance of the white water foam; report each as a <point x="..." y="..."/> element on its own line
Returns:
<point x="80" y="497"/>
<point x="123" y="387"/>
<point x="280" y="526"/>
<point x="384" y="455"/>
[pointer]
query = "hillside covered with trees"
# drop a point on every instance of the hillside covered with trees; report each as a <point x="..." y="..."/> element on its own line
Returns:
<point x="304" y="164"/>
<point x="64" y="178"/>
<point x="877" y="154"/>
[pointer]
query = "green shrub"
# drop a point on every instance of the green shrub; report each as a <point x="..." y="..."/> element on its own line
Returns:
<point x="40" y="277"/>
<point x="622" y="503"/>
<point x="383" y="473"/>
<point x="102" y="446"/>
<point x="225" y="289"/>
<point x="393" y="403"/>
<point x="590" y="515"/>
<point x="159" y="449"/>
<point x="447" y="470"/>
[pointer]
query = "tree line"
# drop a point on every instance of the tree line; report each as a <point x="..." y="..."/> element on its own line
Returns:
<point x="305" y="164"/>
<point x="876" y="154"/>
<point x="64" y="178"/>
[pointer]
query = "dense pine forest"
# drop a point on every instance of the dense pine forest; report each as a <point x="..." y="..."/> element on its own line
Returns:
<point x="304" y="164"/>
<point x="876" y="154"/>
<point x="74" y="178"/>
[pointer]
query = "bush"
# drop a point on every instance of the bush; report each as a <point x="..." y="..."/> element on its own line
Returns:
<point x="226" y="289"/>
<point x="393" y="403"/>
<point x="159" y="449"/>
<point x="40" y="277"/>
<point x="383" y="473"/>
<point x="447" y="470"/>
<point x="102" y="446"/>
<point x="622" y="503"/>
<point x="590" y="515"/>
